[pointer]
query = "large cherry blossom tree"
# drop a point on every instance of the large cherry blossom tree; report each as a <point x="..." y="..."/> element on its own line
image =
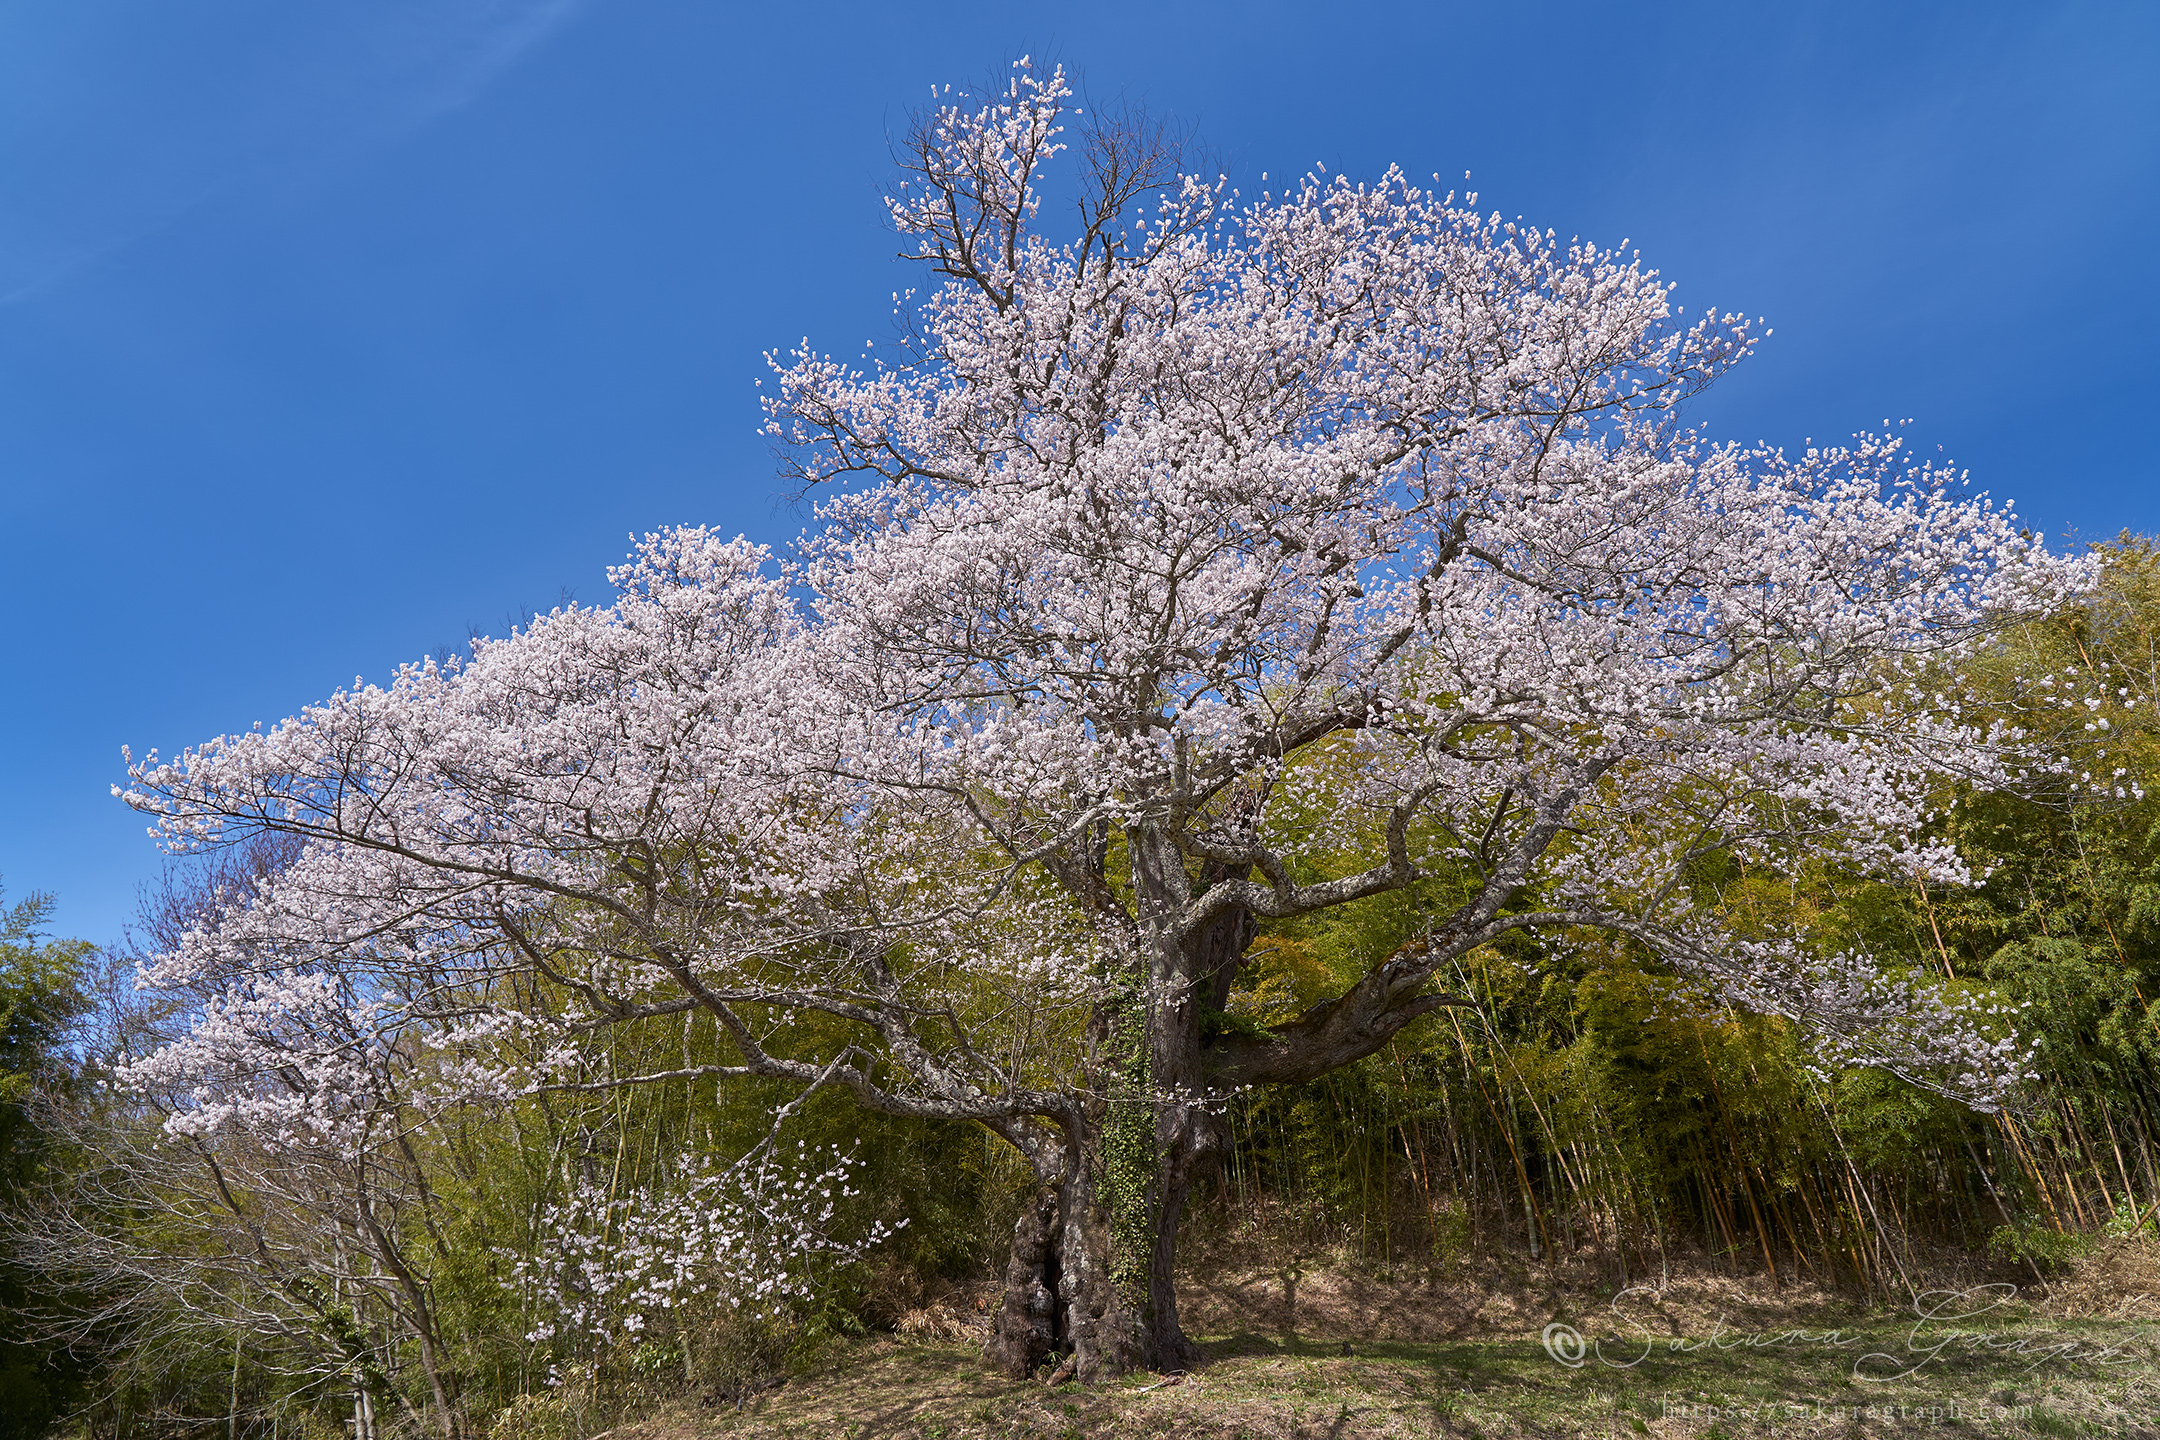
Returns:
<point x="1167" y="562"/>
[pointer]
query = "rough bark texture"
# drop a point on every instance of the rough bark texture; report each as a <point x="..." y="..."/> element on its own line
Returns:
<point x="1061" y="1306"/>
<point x="1106" y="1338"/>
<point x="1192" y="986"/>
<point x="1195" y="1152"/>
<point x="1030" y="1327"/>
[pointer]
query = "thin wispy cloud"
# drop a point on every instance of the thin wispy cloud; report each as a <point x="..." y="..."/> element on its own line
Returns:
<point x="117" y="145"/>
<point x="512" y="31"/>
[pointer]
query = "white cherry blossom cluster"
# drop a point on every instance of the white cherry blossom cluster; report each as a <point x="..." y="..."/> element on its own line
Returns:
<point x="751" y="1236"/>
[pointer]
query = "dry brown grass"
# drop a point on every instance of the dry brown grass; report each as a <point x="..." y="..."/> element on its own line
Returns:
<point x="1431" y="1355"/>
<point x="2119" y="1280"/>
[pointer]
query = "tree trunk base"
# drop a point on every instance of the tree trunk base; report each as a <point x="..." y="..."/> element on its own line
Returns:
<point x="1060" y="1306"/>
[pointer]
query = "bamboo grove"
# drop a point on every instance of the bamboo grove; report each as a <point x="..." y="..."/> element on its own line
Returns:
<point x="1561" y="1116"/>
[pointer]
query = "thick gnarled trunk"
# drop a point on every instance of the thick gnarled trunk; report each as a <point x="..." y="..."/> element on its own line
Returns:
<point x="1080" y="1301"/>
<point x="1032" y="1325"/>
<point x="1062" y="1307"/>
<point x="1092" y="1279"/>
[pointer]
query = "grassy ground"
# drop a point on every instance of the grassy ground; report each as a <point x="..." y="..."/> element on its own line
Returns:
<point x="1354" y="1357"/>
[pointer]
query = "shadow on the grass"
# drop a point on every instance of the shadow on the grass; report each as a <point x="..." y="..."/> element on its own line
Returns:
<point x="1291" y="1387"/>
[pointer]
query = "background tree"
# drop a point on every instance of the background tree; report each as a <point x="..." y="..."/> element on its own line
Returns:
<point x="42" y="994"/>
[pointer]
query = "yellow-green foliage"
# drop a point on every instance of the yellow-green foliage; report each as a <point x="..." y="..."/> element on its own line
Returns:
<point x="1588" y="1096"/>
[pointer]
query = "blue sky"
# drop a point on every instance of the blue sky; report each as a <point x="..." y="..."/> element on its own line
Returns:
<point x="330" y="331"/>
